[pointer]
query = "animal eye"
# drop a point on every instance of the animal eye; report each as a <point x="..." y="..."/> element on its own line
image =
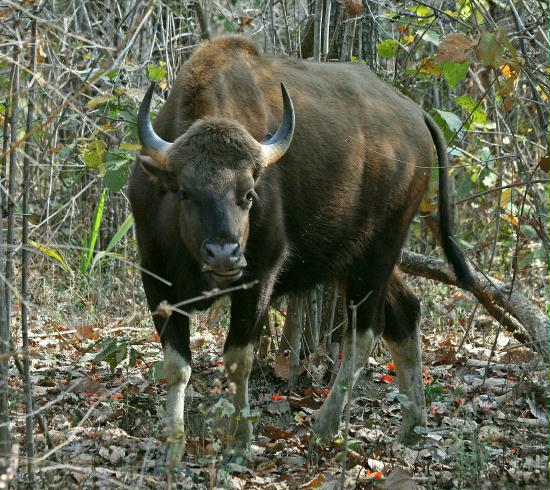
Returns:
<point x="182" y="195"/>
<point x="247" y="199"/>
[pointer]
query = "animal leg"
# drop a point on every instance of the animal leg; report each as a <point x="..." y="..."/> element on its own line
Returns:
<point x="177" y="370"/>
<point x="402" y="337"/>
<point x="367" y="291"/>
<point x="238" y="363"/>
<point x="407" y="358"/>
<point x="328" y="420"/>
<point x="173" y="330"/>
<point x="248" y="312"/>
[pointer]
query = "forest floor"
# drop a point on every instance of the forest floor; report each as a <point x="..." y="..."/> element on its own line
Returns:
<point x="486" y="429"/>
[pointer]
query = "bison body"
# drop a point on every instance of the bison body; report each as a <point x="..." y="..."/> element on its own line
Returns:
<point x="225" y="194"/>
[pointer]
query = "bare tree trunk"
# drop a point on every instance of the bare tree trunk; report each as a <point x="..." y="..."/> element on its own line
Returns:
<point x="203" y="21"/>
<point x="312" y="329"/>
<point x="289" y="347"/>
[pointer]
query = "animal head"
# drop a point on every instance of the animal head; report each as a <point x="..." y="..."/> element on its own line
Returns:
<point x="212" y="169"/>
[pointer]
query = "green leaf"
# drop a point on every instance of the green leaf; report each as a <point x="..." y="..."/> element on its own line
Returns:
<point x="450" y="123"/>
<point x="130" y="146"/>
<point x="98" y="100"/>
<point x="421" y="10"/>
<point x="454" y="72"/>
<point x="88" y="253"/>
<point x="116" y="177"/>
<point x="108" y="347"/>
<point x="117" y="166"/>
<point x="104" y="254"/>
<point x="52" y="253"/>
<point x="388" y="48"/>
<point x="133" y="357"/>
<point x="111" y="74"/>
<point x="156" y="72"/>
<point x="424" y="14"/>
<point x="354" y="444"/>
<point x="228" y="26"/>
<point x="124" y="227"/>
<point x="119" y="355"/>
<point x="112" y="352"/>
<point x="464" y="8"/>
<point x="92" y="153"/>
<point x="476" y="112"/>
<point x="490" y="51"/>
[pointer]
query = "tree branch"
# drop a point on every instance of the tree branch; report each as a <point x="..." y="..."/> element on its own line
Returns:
<point x="494" y="295"/>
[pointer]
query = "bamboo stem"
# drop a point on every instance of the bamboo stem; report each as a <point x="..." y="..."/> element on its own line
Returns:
<point x="5" y="434"/>
<point x="25" y="265"/>
<point x="317" y="30"/>
<point x="10" y="198"/>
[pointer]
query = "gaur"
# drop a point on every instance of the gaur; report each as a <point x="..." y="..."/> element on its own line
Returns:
<point x="290" y="173"/>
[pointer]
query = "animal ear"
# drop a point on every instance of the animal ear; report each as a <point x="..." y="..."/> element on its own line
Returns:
<point x="166" y="177"/>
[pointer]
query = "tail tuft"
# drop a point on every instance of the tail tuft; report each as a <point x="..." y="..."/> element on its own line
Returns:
<point x="454" y="255"/>
<point x="456" y="258"/>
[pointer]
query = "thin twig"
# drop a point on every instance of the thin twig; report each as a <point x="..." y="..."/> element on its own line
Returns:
<point x="502" y="187"/>
<point x="351" y="379"/>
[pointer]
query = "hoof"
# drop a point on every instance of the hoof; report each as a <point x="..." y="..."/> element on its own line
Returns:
<point x="408" y="436"/>
<point x="313" y="445"/>
<point x="236" y="449"/>
<point x="325" y="427"/>
<point x="239" y="439"/>
<point x="174" y="454"/>
<point x="236" y="455"/>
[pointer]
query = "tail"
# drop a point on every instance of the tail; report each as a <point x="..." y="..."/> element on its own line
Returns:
<point x="452" y="251"/>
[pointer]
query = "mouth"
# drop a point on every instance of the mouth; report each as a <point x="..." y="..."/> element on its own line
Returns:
<point x="226" y="275"/>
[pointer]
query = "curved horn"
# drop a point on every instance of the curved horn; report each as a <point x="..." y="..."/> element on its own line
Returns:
<point x="277" y="145"/>
<point x="152" y="144"/>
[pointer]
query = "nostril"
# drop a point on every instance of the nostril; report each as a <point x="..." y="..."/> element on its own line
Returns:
<point x="233" y="251"/>
<point x="208" y="252"/>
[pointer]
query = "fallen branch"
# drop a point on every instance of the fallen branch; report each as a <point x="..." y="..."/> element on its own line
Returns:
<point x="510" y="307"/>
